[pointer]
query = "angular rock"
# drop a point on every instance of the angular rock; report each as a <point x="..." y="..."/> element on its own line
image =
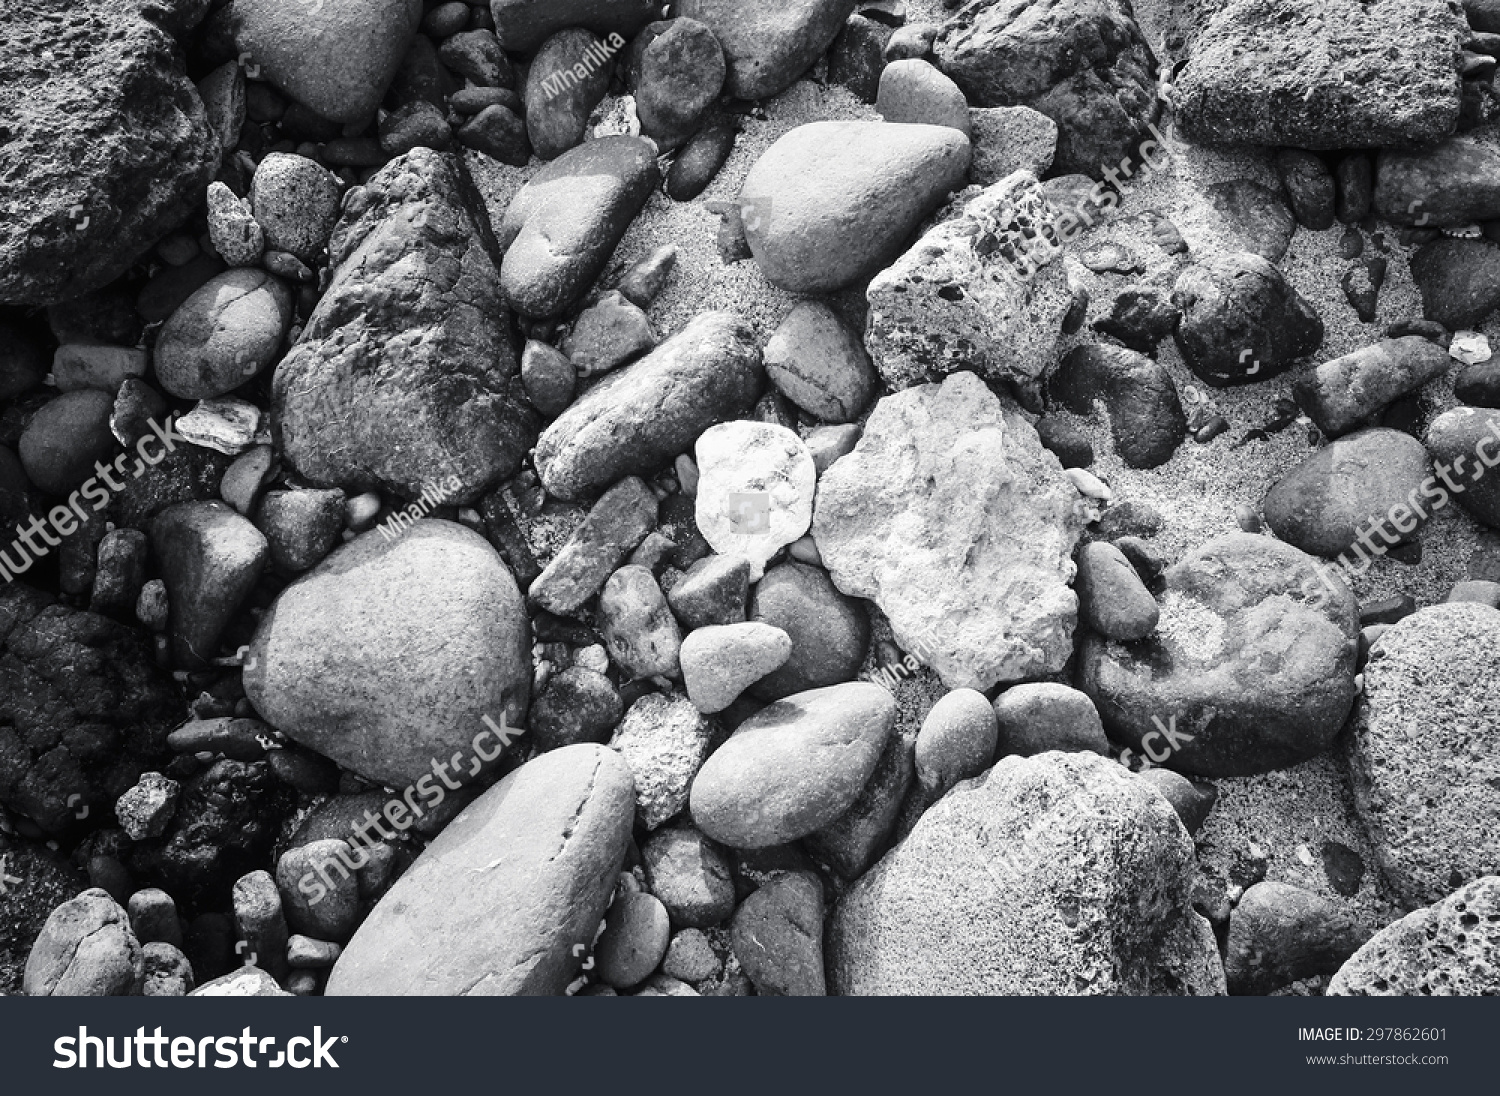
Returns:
<point x="980" y="291"/>
<point x="712" y="592"/>
<point x="640" y="417"/>
<point x="819" y="363"/>
<point x="404" y="368"/>
<point x="793" y="767"/>
<point x="450" y="654"/>
<point x="978" y="580"/>
<point x="1010" y="139"/>
<point x="607" y="334"/>
<point x="617" y="523"/>
<point x="535" y="858"/>
<point x="664" y="740"/>
<point x="833" y="202"/>
<point x="755" y="490"/>
<point x="1250" y="669"/>
<point x="297" y="203"/>
<point x="1423" y="758"/>
<point x="639" y="630"/>
<point x="210" y="559"/>
<point x="768" y="45"/>
<point x="1448" y="949"/>
<point x="1241" y="322"/>
<point x="107" y="145"/>
<point x="1362" y="75"/>
<point x="1035" y="878"/>
<point x="1347" y="392"/>
<point x="1146" y="419"/>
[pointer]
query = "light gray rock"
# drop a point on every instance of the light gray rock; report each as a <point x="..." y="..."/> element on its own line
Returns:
<point x="1345" y="393"/>
<point x="664" y="740"/>
<point x="296" y="202"/>
<point x="638" y="628"/>
<point x="756" y="483"/>
<point x="1448" y="949"/>
<point x="223" y="335"/>
<point x="1039" y="716"/>
<point x="691" y="875"/>
<point x="819" y="363"/>
<point x="85" y="949"/>
<point x="1010" y="139"/>
<point x="952" y="518"/>
<point x="721" y="661"/>
<point x="768" y="45"/>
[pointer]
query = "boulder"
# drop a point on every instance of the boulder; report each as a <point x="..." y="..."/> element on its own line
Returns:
<point x="534" y="859"/>
<point x="952" y="518"/>
<point x="107" y="145"/>
<point x="1250" y="669"/>
<point x="402" y="375"/>
<point x="1448" y="949"/>
<point x="979" y="291"/>
<point x="1055" y="875"/>
<point x="389" y="656"/>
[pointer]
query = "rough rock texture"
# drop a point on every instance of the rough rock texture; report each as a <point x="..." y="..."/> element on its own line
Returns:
<point x="1085" y="65"/>
<point x="833" y="202"/>
<point x="86" y="949"/>
<point x="1349" y="75"/>
<point x="534" y="859"/>
<point x="83" y="709"/>
<point x="755" y="490"/>
<point x="48" y="881"/>
<point x="952" y="518"/>
<point x="1449" y="949"/>
<point x="1424" y="757"/>
<point x="1146" y="419"/>
<point x="389" y="654"/>
<point x="979" y="291"/>
<point x="401" y="377"/>
<point x="104" y="145"/>
<point x="1453" y="183"/>
<point x="1008" y="139"/>
<point x="1251" y="667"/>
<point x="1056" y="875"/>
<point x="1279" y="934"/>
<point x="642" y="416"/>
<point x="770" y="43"/>
<point x="664" y="741"/>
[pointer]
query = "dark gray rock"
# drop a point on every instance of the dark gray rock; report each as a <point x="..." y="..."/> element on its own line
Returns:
<point x="210" y="559"/>
<point x="1241" y="322"/>
<point x="1309" y="187"/>
<point x="1454" y="438"/>
<point x="617" y="523"/>
<point x="777" y="935"/>
<point x="1459" y="280"/>
<point x="1146" y="419"/>
<point x="523" y="25"/>
<point x="1280" y="934"/>
<point x="691" y="875"/>
<point x="558" y="102"/>
<point x="830" y="632"/>
<point x="1350" y="391"/>
<point x="1455" y="182"/>
<point x="768" y="45"/>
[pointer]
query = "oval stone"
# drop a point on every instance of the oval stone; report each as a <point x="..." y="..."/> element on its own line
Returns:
<point x="223" y="335"/>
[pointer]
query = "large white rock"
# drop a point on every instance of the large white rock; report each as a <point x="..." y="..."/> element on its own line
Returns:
<point x="952" y="518"/>
<point x="755" y="490"/>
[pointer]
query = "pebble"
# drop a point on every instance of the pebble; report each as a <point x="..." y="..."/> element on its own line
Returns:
<point x="1034" y="718"/>
<point x="1309" y="187"/>
<point x="210" y="557"/>
<point x="236" y="235"/>
<point x="111" y="966"/>
<point x="819" y="362"/>
<point x="1112" y="599"/>
<point x="635" y="938"/>
<point x="296" y="202"/>
<point x="720" y="661"/>
<point x="558" y="100"/>
<point x="151" y="607"/>
<point x="607" y="335"/>
<point x="639" y="631"/>
<point x="768" y="48"/>
<point x="548" y="376"/>
<point x="577" y="705"/>
<point x="690" y="957"/>
<point x="699" y="160"/>
<point x="1242" y="323"/>
<point x="302" y="527"/>
<point x="146" y="809"/>
<point x="226" y="333"/>
<point x="678" y="75"/>
<point x="690" y="875"/>
<point x="499" y="132"/>
<point x="826" y="444"/>
<point x="419" y="124"/>
<point x="957" y="740"/>
<point x="646" y="278"/>
<point x="478" y="57"/>
<point x="64" y="440"/>
<point x="247" y="477"/>
<point x="225" y="425"/>
<point x="712" y="592"/>
<point x="1361" y="287"/>
<point x="616" y="524"/>
<point x="153" y="917"/>
<point x="1280" y="934"/>
<point x="260" y="922"/>
<point x="664" y="740"/>
<point x="1145" y="412"/>
<point x="1009" y="139"/>
<point x="166" y="972"/>
<point x="916" y="91"/>
<point x="830" y="632"/>
<point x="1191" y="801"/>
<point x="777" y="936"/>
<point x="308" y="953"/>
<point x="1349" y="391"/>
<point x="1459" y="280"/>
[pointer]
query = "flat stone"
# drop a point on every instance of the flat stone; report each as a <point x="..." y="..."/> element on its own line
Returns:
<point x="617" y="523"/>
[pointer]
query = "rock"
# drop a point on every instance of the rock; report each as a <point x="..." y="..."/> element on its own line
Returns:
<point x="1279" y="934"/>
<point x="562" y="226"/>
<point x="1251" y="667"/>
<point x="145" y="810"/>
<point x="1447" y="949"/>
<point x="223" y="335"/>
<point x="642" y="416"/>
<point x="297" y="203"/>
<point x="498" y="132"/>
<point x="850" y="844"/>
<point x="1450" y="183"/>
<point x="166" y="972"/>
<point x="247" y="981"/>
<point x="957" y="741"/>
<point x="523" y="25"/>
<point x="858" y="56"/>
<point x="64" y="440"/>
<point x="1041" y="716"/>
<point x="690" y="875"/>
<point x="819" y="363"/>
<point x="86" y="949"/>
<point x="1454" y="439"/>
<point x="568" y="78"/>
<point x="699" y="160"/>
<point x="107" y="145"/>
<point x="915" y="91"/>
<point x="1241" y="322"/>
<point x="638" y="629"/>
<point x="833" y="202"/>
<point x="794" y="767"/>
<point x="1010" y="139"/>
<point x="755" y="490"/>
<point x="478" y="57"/>
<point x="382" y="398"/>
<point x="1087" y="67"/>
<point x="721" y="661"/>
<point x="1458" y="281"/>
<point x="1355" y="174"/>
<point x="1112" y="599"/>
<point x="1309" y="187"/>
<point x="261" y="923"/>
<point x="646" y="278"/>
<point x="1192" y="802"/>
<point x="535" y="858"/>
<point x="1423" y="761"/>
<point x="1068" y="443"/>
<point x="768" y="46"/>
<point x="617" y="523"/>
<point x="337" y="60"/>
<point x="549" y="378"/>
<point x="232" y="227"/>
<point x="777" y="935"/>
<point x="1031" y="879"/>
<point x="578" y="705"/>
<point x="634" y="941"/>
<point x="1253" y="218"/>
<point x="1354" y="482"/>
<point x="418" y="124"/>
<point x="830" y="633"/>
<point x="713" y="591"/>
<point x="607" y="334"/>
<point x="664" y="740"/>
<point x="210" y="559"/>
<point x="315" y="901"/>
<point x="1146" y="419"/>
<point x="1479" y="384"/>
<point x="690" y="957"/>
<point x="899" y="521"/>
<point x="680" y="73"/>
<point x="301" y="527"/>
<point x="1349" y="391"/>
<point x="1361" y="76"/>
<point x="980" y="291"/>
<point x="121" y="573"/>
<point x="452" y="653"/>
